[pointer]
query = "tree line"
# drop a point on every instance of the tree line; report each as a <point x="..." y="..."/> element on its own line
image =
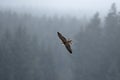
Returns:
<point x="29" y="49"/>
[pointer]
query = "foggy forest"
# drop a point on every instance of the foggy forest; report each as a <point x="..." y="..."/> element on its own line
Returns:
<point x="31" y="50"/>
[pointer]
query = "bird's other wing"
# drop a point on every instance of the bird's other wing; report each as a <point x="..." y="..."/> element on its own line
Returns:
<point x="61" y="37"/>
<point x="68" y="47"/>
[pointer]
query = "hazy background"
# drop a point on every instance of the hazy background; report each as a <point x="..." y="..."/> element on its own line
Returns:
<point x="31" y="50"/>
<point x="60" y="7"/>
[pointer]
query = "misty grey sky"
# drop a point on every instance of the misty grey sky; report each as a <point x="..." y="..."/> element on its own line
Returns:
<point x="63" y="5"/>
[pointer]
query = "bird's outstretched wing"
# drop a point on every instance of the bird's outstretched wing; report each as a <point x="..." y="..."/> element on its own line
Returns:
<point x="61" y="37"/>
<point x="68" y="47"/>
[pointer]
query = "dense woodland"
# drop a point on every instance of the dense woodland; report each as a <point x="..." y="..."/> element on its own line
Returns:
<point x="31" y="50"/>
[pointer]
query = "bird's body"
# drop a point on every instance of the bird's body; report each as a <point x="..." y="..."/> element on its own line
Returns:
<point x="65" y="42"/>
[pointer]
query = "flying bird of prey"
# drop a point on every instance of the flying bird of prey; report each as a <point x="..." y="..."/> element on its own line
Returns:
<point x="65" y="42"/>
